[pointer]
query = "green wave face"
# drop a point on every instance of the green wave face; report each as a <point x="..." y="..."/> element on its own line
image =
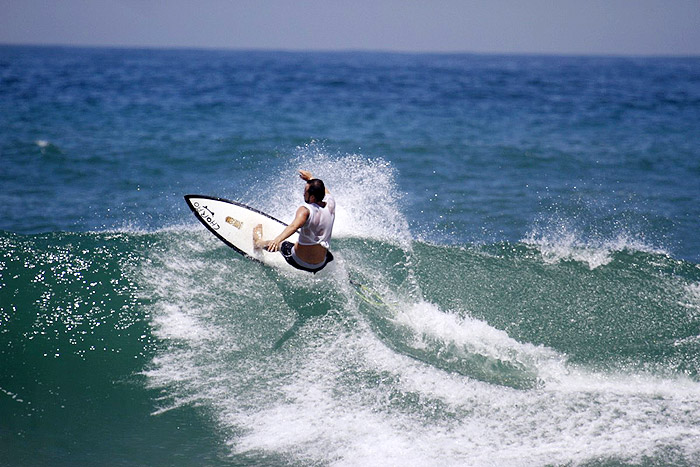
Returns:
<point x="636" y="311"/>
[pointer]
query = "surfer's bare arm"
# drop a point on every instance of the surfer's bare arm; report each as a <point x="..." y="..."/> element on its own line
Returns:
<point x="306" y="175"/>
<point x="299" y="220"/>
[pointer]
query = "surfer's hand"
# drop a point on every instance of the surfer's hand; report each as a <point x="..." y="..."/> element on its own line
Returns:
<point x="273" y="246"/>
<point x="305" y="175"/>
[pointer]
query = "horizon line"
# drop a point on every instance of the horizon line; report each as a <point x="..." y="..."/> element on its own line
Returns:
<point x="205" y="48"/>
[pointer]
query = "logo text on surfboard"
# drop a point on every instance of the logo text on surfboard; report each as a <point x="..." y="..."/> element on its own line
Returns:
<point x="234" y="222"/>
<point x="206" y="214"/>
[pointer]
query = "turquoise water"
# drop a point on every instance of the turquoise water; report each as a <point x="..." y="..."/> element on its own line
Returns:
<point x="517" y="278"/>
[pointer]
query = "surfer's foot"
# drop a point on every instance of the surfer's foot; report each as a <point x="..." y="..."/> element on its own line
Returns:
<point x="257" y="237"/>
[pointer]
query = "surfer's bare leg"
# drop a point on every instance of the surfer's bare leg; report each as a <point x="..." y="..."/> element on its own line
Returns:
<point x="258" y="242"/>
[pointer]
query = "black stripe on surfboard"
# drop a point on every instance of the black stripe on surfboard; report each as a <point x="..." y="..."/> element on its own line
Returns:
<point x="218" y="235"/>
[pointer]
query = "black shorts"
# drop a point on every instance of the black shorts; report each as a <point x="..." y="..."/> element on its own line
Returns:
<point x="286" y="250"/>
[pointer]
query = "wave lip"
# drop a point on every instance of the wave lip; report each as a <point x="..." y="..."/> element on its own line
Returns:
<point x="567" y="245"/>
<point x="455" y="344"/>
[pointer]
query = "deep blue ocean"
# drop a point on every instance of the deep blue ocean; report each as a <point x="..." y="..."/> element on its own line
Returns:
<point x="517" y="274"/>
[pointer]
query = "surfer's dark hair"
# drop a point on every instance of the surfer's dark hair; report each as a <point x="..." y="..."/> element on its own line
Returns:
<point x="317" y="189"/>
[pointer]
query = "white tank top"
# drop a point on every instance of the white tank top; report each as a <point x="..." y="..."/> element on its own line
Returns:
<point x="319" y="226"/>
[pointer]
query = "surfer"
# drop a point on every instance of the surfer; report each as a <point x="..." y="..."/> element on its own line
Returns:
<point x="314" y="220"/>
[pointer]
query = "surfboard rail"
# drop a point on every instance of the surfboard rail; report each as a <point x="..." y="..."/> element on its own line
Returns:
<point x="232" y="222"/>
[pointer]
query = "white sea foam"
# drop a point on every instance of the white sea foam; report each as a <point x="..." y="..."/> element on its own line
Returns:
<point x="562" y="243"/>
<point x="367" y="197"/>
<point x="693" y="296"/>
<point x="691" y="302"/>
<point x="347" y="399"/>
<point x="462" y="335"/>
<point x="174" y="324"/>
<point x="321" y="418"/>
<point x="46" y="146"/>
<point x="426" y="319"/>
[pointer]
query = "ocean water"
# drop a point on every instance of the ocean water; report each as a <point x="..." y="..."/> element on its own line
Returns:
<point x="518" y="260"/>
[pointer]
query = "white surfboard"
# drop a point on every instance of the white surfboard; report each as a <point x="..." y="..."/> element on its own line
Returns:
<point x="233" y="224"/>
